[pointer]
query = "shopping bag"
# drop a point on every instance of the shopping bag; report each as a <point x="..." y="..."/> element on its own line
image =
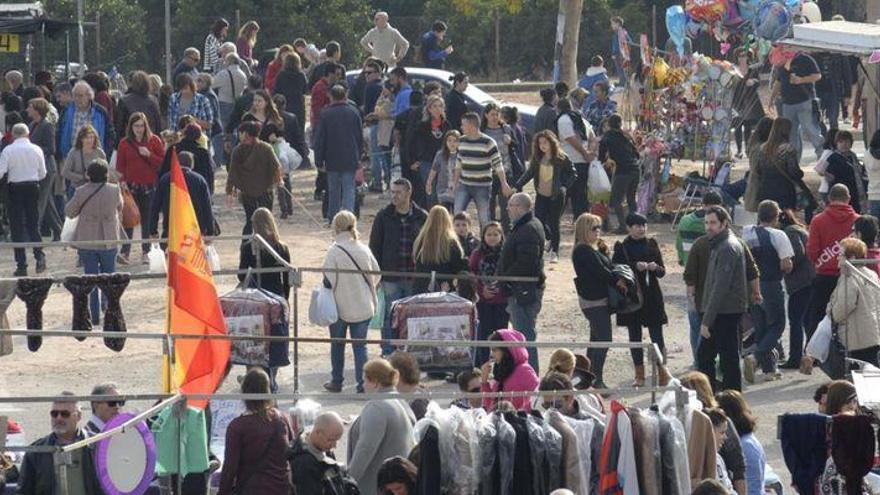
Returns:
<point x="820" y="342"/>
<point x="213" y="258"/>
<point x="598" y="182"/>
<point x="378" y="320"/>
<point x="322" y="307"/>
<point x="157" y="259"/>
<point x="68" y="230"/>
<point x="131" y="215"/>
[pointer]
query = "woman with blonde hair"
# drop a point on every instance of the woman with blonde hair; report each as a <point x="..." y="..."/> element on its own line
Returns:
<point x="383" y="430"/>
<point x="276" y="65"/>
<point x="437" y="249"/>
<point x="355" y="296"/>
<point x="427" y="139"/>
<point x="854" y="303"/>
<point x="264" y="225"/>
<point x="244" y="44"/>
<point x="86" y="149"/>
<point x="592" y="265"/>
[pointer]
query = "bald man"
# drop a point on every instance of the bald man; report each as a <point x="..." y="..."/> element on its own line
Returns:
<point x="523" y="256"/>
<point x="315" y="470"/>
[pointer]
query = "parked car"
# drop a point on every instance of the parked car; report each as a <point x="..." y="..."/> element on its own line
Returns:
<point x="477" y="99"/>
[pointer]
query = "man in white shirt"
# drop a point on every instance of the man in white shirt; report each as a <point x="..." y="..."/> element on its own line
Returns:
<point x="385" y="42"/>
<point x="577" y="138"/>
<point x="102" y="412"/>
<point x="24" y="165"/>
<point x="773" y="253"/>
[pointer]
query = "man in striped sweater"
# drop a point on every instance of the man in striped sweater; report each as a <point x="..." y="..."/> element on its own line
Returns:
<point x="478" y="158"/>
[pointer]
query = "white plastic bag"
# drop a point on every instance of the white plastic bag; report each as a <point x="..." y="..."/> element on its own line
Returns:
<point x="598" y="182"/>
<point x="820" y="343"/>
<point x="157" y="259"/>
<point x="213" y="258"/>
<point x="322" y="308"/>
<point x="68" y="230"/>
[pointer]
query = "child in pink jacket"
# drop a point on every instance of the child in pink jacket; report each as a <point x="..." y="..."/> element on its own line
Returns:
<point x="510" y="370"/>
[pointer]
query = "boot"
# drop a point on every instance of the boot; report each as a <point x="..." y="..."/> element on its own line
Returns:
<point x="640" y="376"/>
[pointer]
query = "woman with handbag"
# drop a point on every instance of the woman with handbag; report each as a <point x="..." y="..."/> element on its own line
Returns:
<point x="355" y="295"/>
<point x="97" y="207"/>
<point x="779" y="171"/>
<point x="138" y="159"/>
<point x="86" y="149"/>
<point x="257" y="444"/>
<point x="594" y="280"/>
<point x="643" y="256"/>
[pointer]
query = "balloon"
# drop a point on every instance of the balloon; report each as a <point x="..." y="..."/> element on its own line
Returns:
<point x="661" y="70"/>
<point x="793" y="5"/>
<point x="772" y="21"/>
<point x="706" y="10"/>
<point x="732" y="16"/>
<point x="676" y="22"/>
<point x="748" y="8"/>
<point x="811" y="11"/>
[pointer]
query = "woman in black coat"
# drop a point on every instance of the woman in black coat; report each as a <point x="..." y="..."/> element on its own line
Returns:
<point x="291" y="83"/>
<point x="643" y="256"/>
<point x="777" y="161"/>
<point x="203" y="164"/>
<point x="426" y="142"/>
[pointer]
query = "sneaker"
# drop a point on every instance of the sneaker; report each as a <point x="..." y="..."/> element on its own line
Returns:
<point x="20" y="272"/>
<point x="554" y="257"/>
<point x="333" y="387"/>
<point x="41" y="265"/>
<point x="749" y="365"/>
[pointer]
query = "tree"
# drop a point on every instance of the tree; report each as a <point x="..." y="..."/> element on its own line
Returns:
<point x="570" y="12"/>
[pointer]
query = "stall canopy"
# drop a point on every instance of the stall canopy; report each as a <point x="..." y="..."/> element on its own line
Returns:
<point x="851" y="38"/>
<point x="31" y="25"/>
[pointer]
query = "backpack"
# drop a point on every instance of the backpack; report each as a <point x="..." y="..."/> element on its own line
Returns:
<point x="577" y="121"/>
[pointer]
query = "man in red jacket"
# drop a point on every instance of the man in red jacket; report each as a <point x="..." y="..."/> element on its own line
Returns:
<point x="823" y="249"/>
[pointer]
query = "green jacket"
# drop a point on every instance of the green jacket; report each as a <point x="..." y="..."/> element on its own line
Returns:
<point x="698" y="265"/>
<point x="690" y="228"/>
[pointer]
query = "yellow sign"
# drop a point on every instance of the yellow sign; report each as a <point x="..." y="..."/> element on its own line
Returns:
<point x="8" y="43"/>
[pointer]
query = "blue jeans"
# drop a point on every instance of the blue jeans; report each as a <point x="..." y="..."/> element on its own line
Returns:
<point x="97" y="261"/>
<point x="219" y="152"/>
<point x="803" y="120"/>
<point x="394" y="290"/>
<point x="380" y="162"/>
<point x="479" y="194"/>
<point x="340" y="188"/>
<point x="769" y="320"/>
<point x="424" y="171"/>
<point x="523" y="319"/>
<point x="694" y="321"/>
<point x="337" y="351"/>
<point x="226" y="112"/>
<point x="798" y="302"/>
<point x="874" y="208"/>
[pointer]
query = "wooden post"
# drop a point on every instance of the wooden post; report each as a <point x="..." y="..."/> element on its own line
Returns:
<point x="97" y="40"/>
<point x="497" y="44"/>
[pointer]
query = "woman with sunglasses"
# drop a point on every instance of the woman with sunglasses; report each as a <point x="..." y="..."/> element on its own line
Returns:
<point x="592" y="265"/>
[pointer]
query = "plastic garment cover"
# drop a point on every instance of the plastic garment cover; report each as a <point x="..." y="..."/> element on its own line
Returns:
<point x="256" y="312"/>
<point x="487" y="434"/>
<point x="553" y="456"/>
<point x="303" y="415"/>
<point x="570" y="453"/>
<point x="436" y="316"/>
<point x="497" y="448"/>
<point x="680" y="484"/>
<point x="459" y="444"/>
<point x="584" y="432"/>
<point x="539" y="454"/>
<point x="648" y="454"/>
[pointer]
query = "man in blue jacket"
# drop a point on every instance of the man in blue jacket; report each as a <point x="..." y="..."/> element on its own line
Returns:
<point x="432" y="55"/>
<point x="338" y="146"/>
<point x="81" y="111"/>
<point x="198" y="193"/>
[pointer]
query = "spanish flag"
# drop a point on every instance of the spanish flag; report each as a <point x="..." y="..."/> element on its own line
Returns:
<point x="193" y="306"/>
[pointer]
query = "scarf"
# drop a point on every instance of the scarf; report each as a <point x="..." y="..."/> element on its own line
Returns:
<point x="490" y="259"/>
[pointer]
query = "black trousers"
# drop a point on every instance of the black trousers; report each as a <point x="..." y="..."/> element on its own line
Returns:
<point x="577" y="193"/>
<point x="144" y="200"/>
<point x="723" y="342"/>
<point x="742" y="131"/>
<point x="635" y="335"/>
<point x="624" y="186"/>
<point x="251" y="204"/>
<point x="492" y="317"/>
<point x="24" y="218"/>
<point x="499" y="200"/>
<point x="820" y="294"/>
<point x="285" y="202"/>
<point x="549" y="212"/>
<point x="599" y="319"/>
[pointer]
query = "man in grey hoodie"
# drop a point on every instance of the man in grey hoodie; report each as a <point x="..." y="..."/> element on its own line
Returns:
<point x="725" y="299"/>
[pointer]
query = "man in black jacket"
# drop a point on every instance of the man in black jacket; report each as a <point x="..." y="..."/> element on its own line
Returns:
<point x="391" y="241"/>
<point x="339" y="141"/>
<point x="521" y="256"/>
<point x="618" y="146"/>
<point x="38" y="468"/>
<point x="314" y="466"/>
<point x="199" y="193"/>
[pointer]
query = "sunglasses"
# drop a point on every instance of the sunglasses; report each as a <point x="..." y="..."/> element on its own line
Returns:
<point x="474" y="390"/>
<point x="115" y="403"/>
<point x="63" y="414"/>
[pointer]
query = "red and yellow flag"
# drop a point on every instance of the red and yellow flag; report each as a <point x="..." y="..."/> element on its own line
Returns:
<point x="193" y="306"/>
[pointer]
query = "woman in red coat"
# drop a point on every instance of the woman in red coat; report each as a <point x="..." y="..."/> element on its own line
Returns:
<point x="138" y="160"/>
<point x="275" y="67"/>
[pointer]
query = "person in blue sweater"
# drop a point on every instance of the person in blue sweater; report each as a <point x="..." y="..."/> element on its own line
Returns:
<point x="737" y="409"/>
<point x="432" y="55"/>
<point x="596" y="73"/>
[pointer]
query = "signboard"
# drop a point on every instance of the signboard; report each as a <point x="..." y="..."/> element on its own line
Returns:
<point x="9" y="43"/>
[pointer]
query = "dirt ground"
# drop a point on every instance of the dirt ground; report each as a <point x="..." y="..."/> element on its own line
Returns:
<point x="66" y="364"/>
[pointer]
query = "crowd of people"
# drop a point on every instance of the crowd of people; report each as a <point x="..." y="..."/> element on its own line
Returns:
<point x="77" y="150"/>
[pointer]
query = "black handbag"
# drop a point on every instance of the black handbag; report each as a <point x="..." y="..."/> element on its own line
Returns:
<point x="835" y="365"/>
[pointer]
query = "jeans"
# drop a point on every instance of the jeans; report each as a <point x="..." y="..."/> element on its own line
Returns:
<point x="49" y="215"/>
<point x="797" y="312"/>
<point x="523" y="318"/>
<point x="250" y="204"/>
<point x="143" y="199"/>
<point x="769" y="320"/>
<point x="226" y="112"/>
<point x="549" y="212"/>
<point x="480" y="196"/>
<point x="874" y="207"/>
<point x="285" y="202"/>
<point x="340" y="189"/>
<point x="742" y="132"/>
<point x="337" y="351"/>
<point x="694" y="321"/>
<point x="820" y="294"/>
<point x="635" y="335"/>
<point x="724" y="342"/>
<point x="623" y="185"/>
<point x="803" y="120"/>
<point x="97" y="261"/>
<point x="500" y="200"/>
<point x="600" y="331"/>
<point x="620" y="69"/>
<point x="24" y="221"/>
<point x="577" y="193"/>
<point x="394" y="290"/>
<point x="380" y="162"/>
<point x="492" y="317"/>
<point x="217" y="142"/>
<point x="830" y="107"/>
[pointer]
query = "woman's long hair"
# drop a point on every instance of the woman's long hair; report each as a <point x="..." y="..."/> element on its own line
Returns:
<point x="583" y="226"/>
<point x="502" y="370"/>
<point x="761" y="133"/>
<point x="555" y="147"/>
<point x="271" y="110"/>
<point x="737" y="409"/>
<point x="484" y="122"/>
<point x="249" y="32"/>
<point x="445" y="149"/>
<point x="84" y="132"/>
<point x="264" y="224"/>
<point x="434" y="242"/>
<point x="256" y="381"/>
<point x="780" y="134"/>
<point x="433" y="99"/>
<point x="129" y="129"/>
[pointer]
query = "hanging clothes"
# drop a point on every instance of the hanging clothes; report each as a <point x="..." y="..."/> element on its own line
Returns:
<point x="429" y="477"/>
<point x="804" y="448"/>
<point x="571" y="472"/>
<point x="112" y="286"/>
<point x="457" y="467"/>
<point x="7" y="294"/>
<point x="618" y="472"/>
<point x="33" y="292"/>
<point x="183" y="427"/>
<point x="647" y="442"/>
<point x="585" y="432"/>
<point x="701" y="447"/>
<point x="538" y="447"/>
<point x="553" y="447"/>
<point x="522" y="460"/>
<point x="497" y="437"/>
<point x="674" y="459"/>
<point x="852" y="449"/>
<point x="80" y="286"/>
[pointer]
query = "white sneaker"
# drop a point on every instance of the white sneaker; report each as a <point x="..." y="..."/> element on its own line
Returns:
<point x="554" y="257"/>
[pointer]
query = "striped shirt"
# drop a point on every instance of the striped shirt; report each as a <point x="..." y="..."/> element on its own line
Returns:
<point x="477" y="159"/>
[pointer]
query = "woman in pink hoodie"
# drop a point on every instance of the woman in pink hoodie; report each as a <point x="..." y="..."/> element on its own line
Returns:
<point x="510" y="372"/>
